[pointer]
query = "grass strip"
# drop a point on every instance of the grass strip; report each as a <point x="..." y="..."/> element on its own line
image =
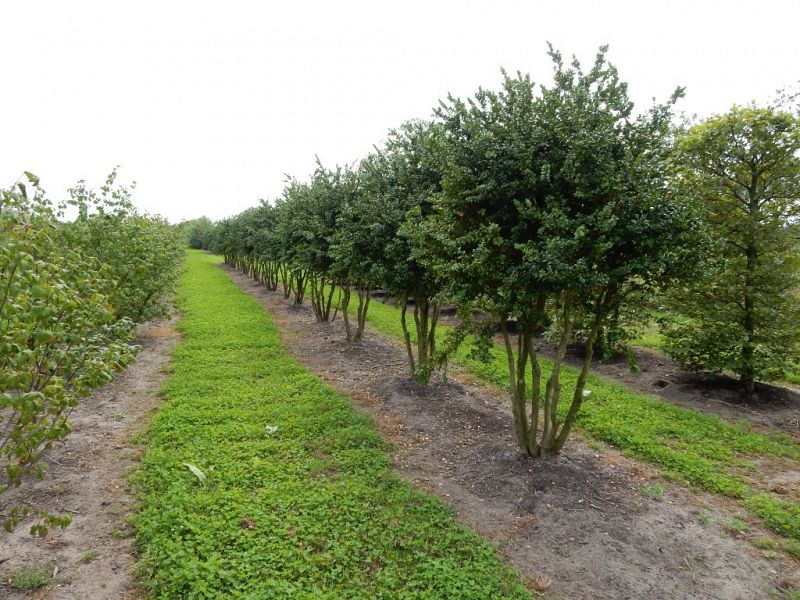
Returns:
<point x="298" y="499"/>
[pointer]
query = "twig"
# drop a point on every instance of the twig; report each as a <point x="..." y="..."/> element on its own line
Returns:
<point x="691" y="570"/>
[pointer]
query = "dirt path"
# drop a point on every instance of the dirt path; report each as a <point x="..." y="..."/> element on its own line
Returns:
<point x="580" y="521"/>
<point x="87" y="480"/>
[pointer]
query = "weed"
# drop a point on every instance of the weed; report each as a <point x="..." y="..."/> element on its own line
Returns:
<point x="88" y="556"/>
<point x="654" y="492"/>
<point x="766" y="544"/>
<point x="29" y="578"/>
<point x="736" y="527"/>
<point x="792" y="547"/>
<point x="118" y="416"/>
<point x="540" y="583"/>
<point x="704" y="516"/>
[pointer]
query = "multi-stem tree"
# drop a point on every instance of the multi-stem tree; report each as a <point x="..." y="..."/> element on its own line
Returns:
<point x="364" y="228"/>
<point x="409" y="178"/>
<point x="553" y="207"/>
<point x="743" y="316"/>
<point x="312" y="211"/>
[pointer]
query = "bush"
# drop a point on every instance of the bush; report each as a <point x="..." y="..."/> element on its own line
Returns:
<point x="70" y="294"/>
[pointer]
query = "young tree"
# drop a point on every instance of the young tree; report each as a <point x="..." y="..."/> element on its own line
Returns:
<point x="557" y="202"/>
<point x="743" y="316"/>
<point x="408" y="178"/>
<point x="200" y="233"/>
<point x="364" y="228"/>
<point x="312" y="211"/>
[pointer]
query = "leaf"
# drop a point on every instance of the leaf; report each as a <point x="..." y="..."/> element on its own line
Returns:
<point x="197" y="472"/>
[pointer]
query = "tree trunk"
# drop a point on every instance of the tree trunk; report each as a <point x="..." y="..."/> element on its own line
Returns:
<point x="577" y="397"/>
<point x="747" y="373"/>
<point x="407" y="335"/>
<point x="516" y="379"/>
<point x="363" y="306"/>
<point x="345" y="302"/>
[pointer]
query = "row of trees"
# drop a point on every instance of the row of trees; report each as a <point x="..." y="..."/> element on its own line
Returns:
<point x="556" y="207"/>
<point x="71" y="294"/>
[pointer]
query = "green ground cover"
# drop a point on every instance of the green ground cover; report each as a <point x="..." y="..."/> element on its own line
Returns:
<point x="298" y="499"/>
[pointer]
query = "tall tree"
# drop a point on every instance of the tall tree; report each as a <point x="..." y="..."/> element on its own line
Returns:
<point x="743" y="316"/>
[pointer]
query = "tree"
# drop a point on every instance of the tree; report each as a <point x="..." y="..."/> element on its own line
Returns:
<point x="311" y="213"/>
<point x="200" y="233"/>
<point x="743" y="315"/>
<point x="410" y="180"/>
<point x="553" y="207"/>
<point x="364" y="228"/>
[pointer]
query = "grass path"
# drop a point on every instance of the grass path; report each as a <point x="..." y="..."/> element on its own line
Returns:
<point x="298" y="499"/>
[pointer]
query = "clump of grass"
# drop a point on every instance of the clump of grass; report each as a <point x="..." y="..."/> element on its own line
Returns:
<point x="28" y="578"/>
<point x="792" y="547"/>
<point x="654" y="492"/>
<point x="736" y="527"/>
<point x="766" y="544"/>
<point x="704" y="516"/>
<point x="88" y="556"/>
<point x="540" y="583"/>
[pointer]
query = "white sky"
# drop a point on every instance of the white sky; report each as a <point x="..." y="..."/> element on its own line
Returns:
<point x="207" y="105"/>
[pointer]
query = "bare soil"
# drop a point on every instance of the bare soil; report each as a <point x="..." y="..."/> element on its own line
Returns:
<point x="87" y="480"/>
<point x="593" y="523"/>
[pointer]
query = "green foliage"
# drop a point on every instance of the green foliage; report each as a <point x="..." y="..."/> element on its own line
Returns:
<point x="70" y="293"/>
<point x="743" y="314"/>
<point x="26" y="579"/>
<point x="299" y="500"/>
<point x="200" y="233"/>
<point x="554" y="207"/>
<point x="141" y="254"/>
<point x="59" y="337"/>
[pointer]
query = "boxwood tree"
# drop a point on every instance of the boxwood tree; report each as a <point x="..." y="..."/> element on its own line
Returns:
<point x="364" y="228"/>
<point x="409" y="180"/>
<point x="554" y="206"/>
<point x="312" y="212"/>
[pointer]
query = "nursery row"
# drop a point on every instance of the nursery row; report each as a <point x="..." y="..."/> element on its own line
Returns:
<point x="553" y="208"/>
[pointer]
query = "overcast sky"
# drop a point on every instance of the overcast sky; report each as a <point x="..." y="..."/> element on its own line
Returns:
<point x="207" y="105"/>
